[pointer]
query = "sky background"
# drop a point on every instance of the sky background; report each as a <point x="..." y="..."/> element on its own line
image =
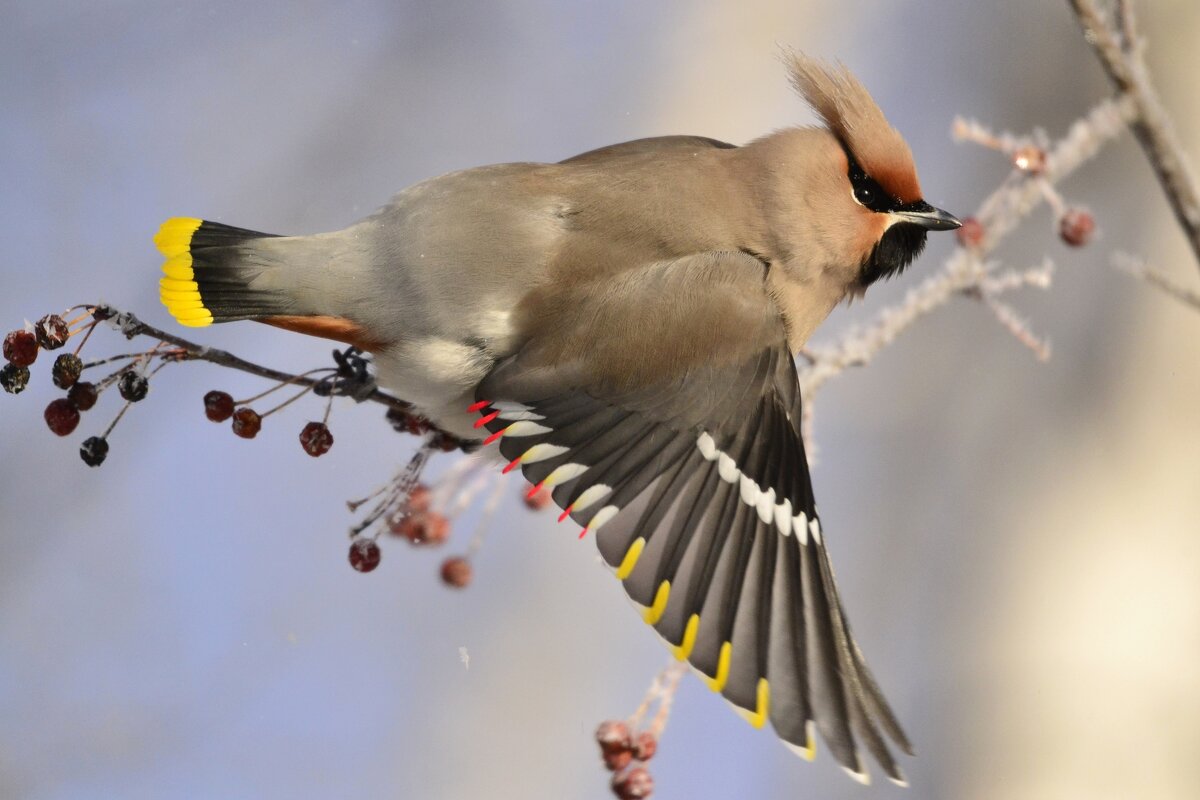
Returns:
<point x="1017" y="543"/>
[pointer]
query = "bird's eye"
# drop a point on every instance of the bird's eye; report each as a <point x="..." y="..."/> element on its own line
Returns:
<point x="864" y="194"/>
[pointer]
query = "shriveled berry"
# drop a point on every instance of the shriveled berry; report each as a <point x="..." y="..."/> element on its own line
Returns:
<point x="633" y="784"/>
<point x="61" y="416"/>
<point x="456" y="572"/>
<point x="67" y="369"/>
<point x="645" y="745"/>
<point x="617" y="760"/>
<point x="419" y="499"/>
<point x="970" y="235"/>
<point x="613" y="735"/>
<point x="538" y="500"/>
<point x="1076" y="227"/>
<point x="83" y="395"/>
<point x="316" y="439"/>
<point x="52" y="331"/>
<point x="364" y="555"/>
<point x="20" y="348"/>
<point x="133" y="387"/>
<point x="425" y="528"/>
<point x="14" y="379"/>
<point x="218" y="406"/>
<point x="246" y="423"/>
<point x="94" y="450"/>
<point x="1030" y="159"/>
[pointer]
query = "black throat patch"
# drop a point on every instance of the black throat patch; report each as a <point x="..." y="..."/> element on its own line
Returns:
<point x="894" y="251"/>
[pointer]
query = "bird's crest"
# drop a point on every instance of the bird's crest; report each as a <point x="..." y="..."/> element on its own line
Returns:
<point x="853" y="117"/>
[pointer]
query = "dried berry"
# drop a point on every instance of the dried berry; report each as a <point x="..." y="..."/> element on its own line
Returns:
<point x="538" y="500"/>
<point x="83" y="395"/>
<point x="67" y="369"/>
<point x="316" y="439"/>
<point x="1030" y="159"/>
<point x="364" y="555"/>
<point x="407" y="422"/>
<point x="94" y="450"/>
<point x="133" y="387"/>
<point x="14" y="379"/>
<point x="427" y="528"/>
<point x="1076" y="227"/>
<point x="419" y="499"/>
<point x="970" y="235"/>
<point x="20" y="348"/>
<point x="62" y="416"/>
<point x="246" y="423"/>
<point x="634" y="784"/>
<point x="645" y="746"/>
<point x="613" y="735"/>
<point x="52" y="331"/>
<point x="617" y="760"/>
<point x="456" y="572"/>
<point x="218" y="406"/>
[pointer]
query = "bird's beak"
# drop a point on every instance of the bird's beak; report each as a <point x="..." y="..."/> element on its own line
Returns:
<point x="928" y="217"/>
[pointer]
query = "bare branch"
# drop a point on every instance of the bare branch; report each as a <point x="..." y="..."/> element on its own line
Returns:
<point x="1156" y="277"/>
<point x="1127" y="70"/>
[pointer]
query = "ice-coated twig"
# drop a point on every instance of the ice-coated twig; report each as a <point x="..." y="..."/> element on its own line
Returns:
<point x="1157" y="278"/>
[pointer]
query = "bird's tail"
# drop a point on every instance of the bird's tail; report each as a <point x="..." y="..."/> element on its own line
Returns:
<point x="218" y="273"/>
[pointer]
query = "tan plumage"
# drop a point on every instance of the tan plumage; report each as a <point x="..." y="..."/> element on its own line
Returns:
<point x="626" y="320"/>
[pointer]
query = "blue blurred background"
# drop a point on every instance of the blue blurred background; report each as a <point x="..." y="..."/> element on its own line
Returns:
<point x="1017" y="543"/>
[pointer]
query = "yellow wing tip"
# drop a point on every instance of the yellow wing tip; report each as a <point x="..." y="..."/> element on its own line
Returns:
<point x="684" y="649"/>
<point x="631" y="558"/>
<point x="717" y="682"/>
<point x="654" y="613"/>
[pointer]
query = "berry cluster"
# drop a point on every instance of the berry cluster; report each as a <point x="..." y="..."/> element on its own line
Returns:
<point x="1076" y="226"/>
<point x="625" y="755"/>
<point x="62" y="415"/>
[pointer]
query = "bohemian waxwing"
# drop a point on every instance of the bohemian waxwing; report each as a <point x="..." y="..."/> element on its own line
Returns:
<point x="623" y="324"/>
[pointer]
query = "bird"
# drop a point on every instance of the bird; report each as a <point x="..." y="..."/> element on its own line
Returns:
<point x="623" y="326"/>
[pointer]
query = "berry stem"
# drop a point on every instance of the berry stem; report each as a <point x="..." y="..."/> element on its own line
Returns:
<point x="294" y="379"/>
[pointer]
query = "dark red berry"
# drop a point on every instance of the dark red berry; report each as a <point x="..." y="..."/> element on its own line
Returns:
<point x="14" y="379"/>
<point x="364" y="555"/>
<point x="246" y="423"/>
<point x="456" y="572"/>
<point x="970" y="235"/>
<point x="419" y="499"/>
<point x="218" y="406"/>
<point x="538" y="500"/>
<point x="421" y="527"/>
<point x="67" y="369"/>
<point x="94" y="450"/>
<point x="1030" y="159"/>
<point x="61" y="416"/>
<point x="316" y="439"/>
<point x="20" y="348"/>
<point x="83" y="395"/>
<point x="617" y="760"/>
<point x="133" y="387"/>
<point x="645" y="746"/>
<point x="1076" y="227"/>
<point x="52" y="331"/>
<point x="633" y="784"/>
<point x="613" y="735"/>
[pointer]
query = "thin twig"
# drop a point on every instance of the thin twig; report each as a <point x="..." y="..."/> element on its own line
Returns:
<point x="131" y="326"/>
<point x="1156" y="277"/>
<point x="1126" y="68"/>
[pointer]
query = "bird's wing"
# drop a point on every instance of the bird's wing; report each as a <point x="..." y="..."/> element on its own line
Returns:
<point x="651" y="145"/>
<point x="697" y="490"/>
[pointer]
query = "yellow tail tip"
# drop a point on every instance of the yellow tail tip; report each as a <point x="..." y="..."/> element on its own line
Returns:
<point x="175" y="235"/>
<point x="179" y="291"/>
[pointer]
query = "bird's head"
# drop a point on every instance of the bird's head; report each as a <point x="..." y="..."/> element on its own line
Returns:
<point x="860" y="195"/>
